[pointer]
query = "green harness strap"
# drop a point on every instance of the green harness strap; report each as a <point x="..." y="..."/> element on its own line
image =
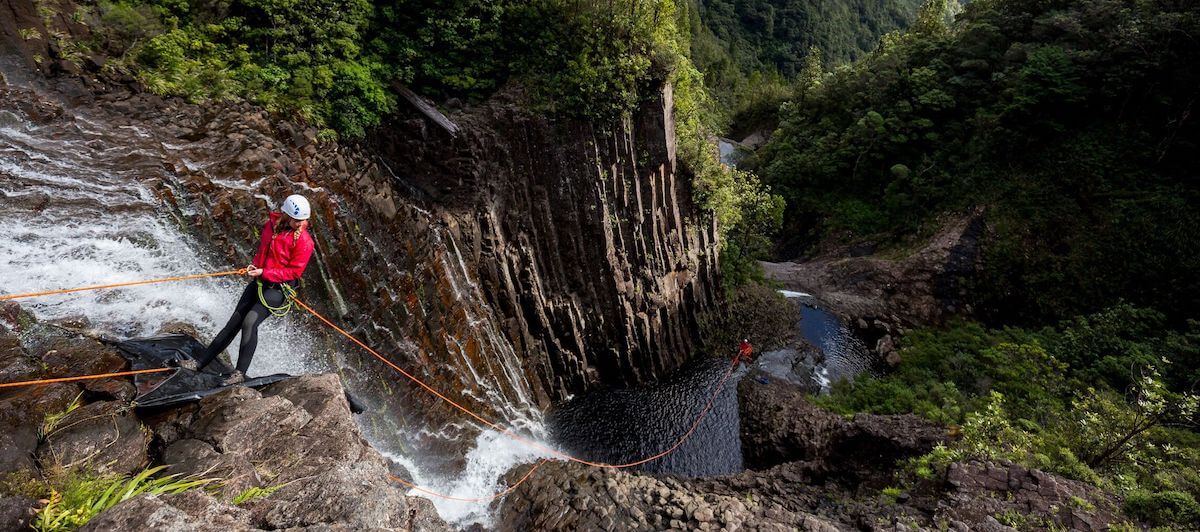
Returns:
<point x="289" y="293"/>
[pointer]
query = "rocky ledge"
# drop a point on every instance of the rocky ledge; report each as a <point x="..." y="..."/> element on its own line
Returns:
<point x="812" y="470"/>
<point x="296" y="438"/>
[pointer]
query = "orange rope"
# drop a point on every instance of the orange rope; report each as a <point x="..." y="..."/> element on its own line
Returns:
<point x="118" y="285"/>
<point x="83" y="378"/>
<point x="471" y="499"/>
<point x="518" y="437"/>
<point x="503" y="430"/>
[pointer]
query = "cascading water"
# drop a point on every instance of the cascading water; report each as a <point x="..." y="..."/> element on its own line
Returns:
<point x="77" y="210"/>
<point x="76" y="213"/>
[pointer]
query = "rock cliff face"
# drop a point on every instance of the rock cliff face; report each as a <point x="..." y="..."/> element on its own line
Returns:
<point x="513" y="263"/>
<point x="583" y="237"/>
<point x="511" y="259"/>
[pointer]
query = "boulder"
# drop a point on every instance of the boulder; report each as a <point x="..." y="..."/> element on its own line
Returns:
<point x="605" y="499"/>
<point x="299" y="437"/>
<point x="352" y="495"/>
<point x="779" y="424"/>
<point x="29" y="406"/>
<point x="104" y="436"/>
<point x="977" y="491"/>
<point x="192" y="511"/>
<point x="16" y="512"/>
<point x="17" y="445"/>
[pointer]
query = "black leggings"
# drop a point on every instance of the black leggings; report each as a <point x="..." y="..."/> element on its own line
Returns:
<point x="246" y="318"/>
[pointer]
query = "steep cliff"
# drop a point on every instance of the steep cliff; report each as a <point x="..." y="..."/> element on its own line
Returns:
<point x="519" y="256"/>
<point x="512" y="259"/>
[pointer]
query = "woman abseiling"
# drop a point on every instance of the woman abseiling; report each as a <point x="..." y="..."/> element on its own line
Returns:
<point x="283" y="253"/>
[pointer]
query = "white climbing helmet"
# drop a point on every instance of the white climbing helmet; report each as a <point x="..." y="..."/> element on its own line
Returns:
<point x="296" y="207"/>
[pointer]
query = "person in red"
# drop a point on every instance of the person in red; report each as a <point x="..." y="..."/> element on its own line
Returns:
<point x="744" y="351"/>
<point x="283" y="253"/>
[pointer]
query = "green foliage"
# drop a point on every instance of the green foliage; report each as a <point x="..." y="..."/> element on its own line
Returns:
<point x="254" y="492"/>
<point x="891" y="493"/>
<point x="1163" y="508"/>
<point x="1046" y="399"/>
<point x="52" y="420"/>
<point x="754" y="53"/>
<point x="123" y="24"/>
<point x="74" y="498"/>
<point x="334" y="63"/>
<point x="1065" y="120"/>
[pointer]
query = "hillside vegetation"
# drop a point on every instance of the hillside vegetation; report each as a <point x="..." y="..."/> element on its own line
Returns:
<point x="750" y="51"/>
<point x="1071" y="121"/>
<point x="1070" y="124"/>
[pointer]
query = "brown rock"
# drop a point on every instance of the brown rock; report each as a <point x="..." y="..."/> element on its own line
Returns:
<point x="153" y="512"/>
<point x="17" y="445"/>
<point x="16" y="512"/>
<point x="103" y="436"/>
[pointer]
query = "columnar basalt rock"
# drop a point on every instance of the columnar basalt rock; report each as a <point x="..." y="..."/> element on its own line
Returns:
<point x="519" y="261"/>
<point x="512" y="258"/>
<point x="582" y="236"/>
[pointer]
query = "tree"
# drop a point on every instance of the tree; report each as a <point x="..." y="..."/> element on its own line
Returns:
<point x="1109" y="429"/>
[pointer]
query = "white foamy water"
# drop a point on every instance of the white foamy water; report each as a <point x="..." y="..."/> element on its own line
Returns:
<point x="792" y="294"/>
<point x="75" y="212"/>
<point x="493" y="455"/>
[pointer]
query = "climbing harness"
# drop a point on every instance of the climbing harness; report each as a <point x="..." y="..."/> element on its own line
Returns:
<point x="291" y="299"/>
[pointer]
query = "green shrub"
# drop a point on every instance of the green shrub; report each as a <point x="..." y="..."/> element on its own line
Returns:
<point x="1163" y="508"/>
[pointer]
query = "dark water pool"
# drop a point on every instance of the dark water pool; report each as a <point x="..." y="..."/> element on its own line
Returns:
<point x="620" y="426"/>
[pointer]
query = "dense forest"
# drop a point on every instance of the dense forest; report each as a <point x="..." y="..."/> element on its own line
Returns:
<point x="337" y="65"/>
<point x="1069" y="124"/>
<point x="1068" y="120"/>
<point x="749" y="51"/>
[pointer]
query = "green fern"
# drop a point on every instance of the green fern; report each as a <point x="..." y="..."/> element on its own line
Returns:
<point x="75" y="500"/>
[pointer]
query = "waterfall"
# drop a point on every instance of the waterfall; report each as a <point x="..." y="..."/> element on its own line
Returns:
<point x="79" y="207"/>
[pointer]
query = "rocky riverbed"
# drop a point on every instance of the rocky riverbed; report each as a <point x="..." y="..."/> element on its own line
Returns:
<point x="881" y="296"/>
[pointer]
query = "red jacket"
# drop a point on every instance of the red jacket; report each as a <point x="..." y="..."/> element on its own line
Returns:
<point x="282" y="257"/>
<point x="744" y="350"/>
